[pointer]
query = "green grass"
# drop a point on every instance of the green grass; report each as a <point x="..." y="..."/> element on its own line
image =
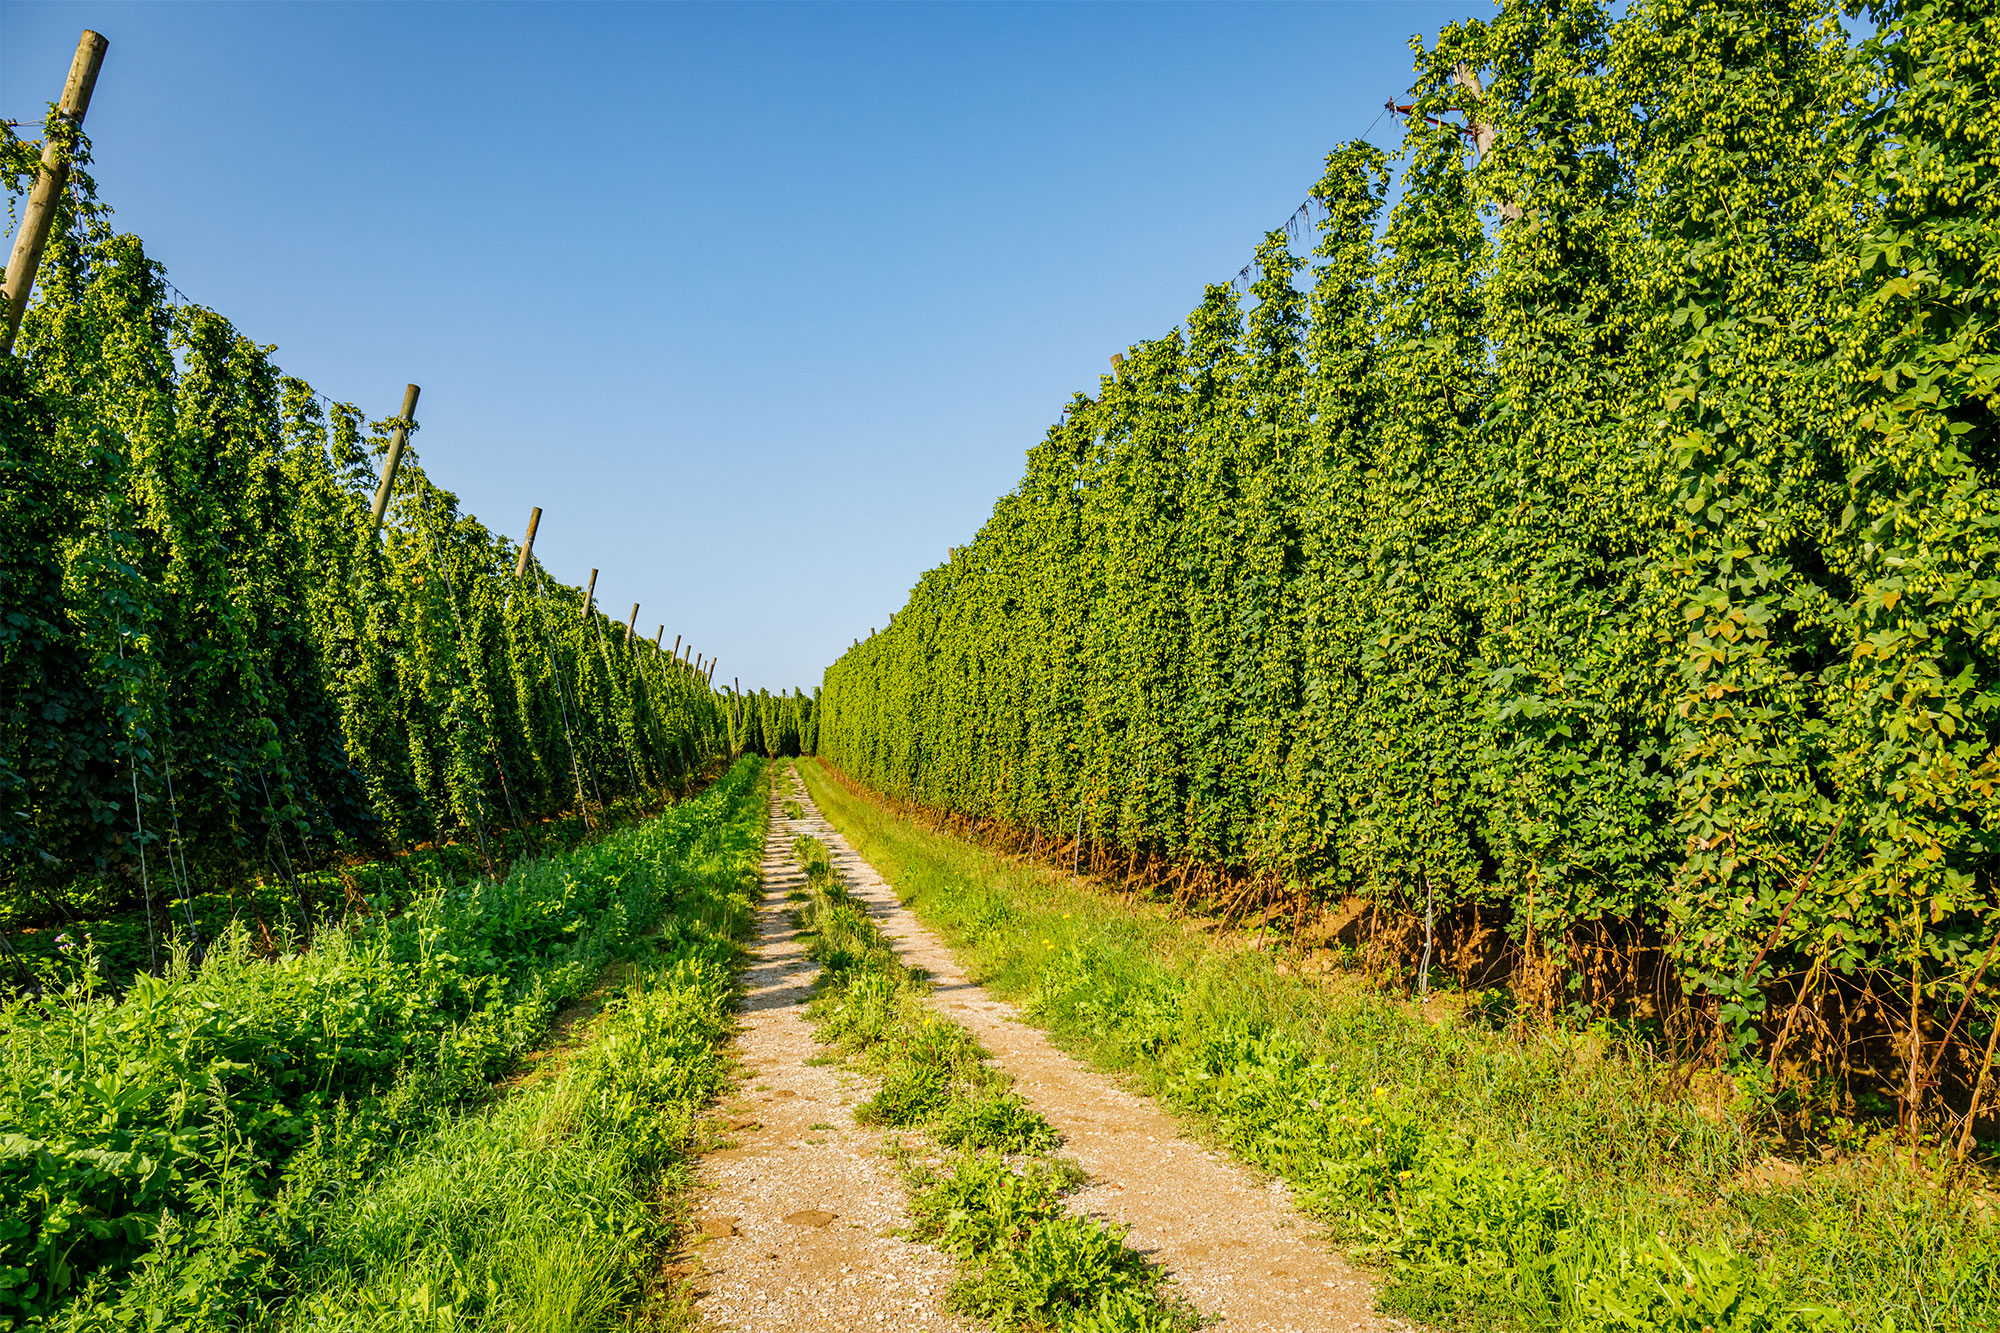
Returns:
<point x="38" y="928"/>
<point x="550" y="1208"/>
<point x="316" y="1140"/>
<point x="992" y="1195"/>
<point x="1498" y="1178"/>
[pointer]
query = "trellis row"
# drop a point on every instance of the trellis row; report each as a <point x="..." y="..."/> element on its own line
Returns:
<point x="197" y="612"/>
<point x="1611" y="539"/>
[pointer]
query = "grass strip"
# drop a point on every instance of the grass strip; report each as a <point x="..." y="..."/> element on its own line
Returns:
<point x="550" y="1208"/>
<point x="226" y="1147"/>
<point x="992" y="1194"/>
<point x="1501" y="1178"/>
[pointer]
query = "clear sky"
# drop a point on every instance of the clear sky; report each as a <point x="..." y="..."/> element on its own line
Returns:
<point x="763" y="304"/>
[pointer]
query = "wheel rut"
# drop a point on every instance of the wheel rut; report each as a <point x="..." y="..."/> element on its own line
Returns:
<point x="1238" y="1248"/>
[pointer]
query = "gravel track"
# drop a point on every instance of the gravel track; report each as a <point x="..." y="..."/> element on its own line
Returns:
<point x="1236" y="1246"/>
<point x="795" y="1225"/>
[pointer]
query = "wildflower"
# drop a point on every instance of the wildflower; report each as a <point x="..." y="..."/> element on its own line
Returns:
<point x="64" y="943"/>
<point x="1048" y="944"/>
<point x="1381" y="1091"/>
<point x="1402" y="1175"/>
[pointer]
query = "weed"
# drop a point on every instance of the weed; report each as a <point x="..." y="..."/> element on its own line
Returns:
<point x="997" y="1121"/>
<point x="996" y="1204"/>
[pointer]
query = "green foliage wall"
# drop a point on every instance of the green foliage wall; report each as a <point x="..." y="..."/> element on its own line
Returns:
<point x="776" y="725"/>
<point x="1608" y="533"/>
<point x="205" y="659"/>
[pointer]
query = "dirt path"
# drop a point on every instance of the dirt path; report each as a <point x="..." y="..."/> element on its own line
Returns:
<point x="797" y="1221"/>
<point x="1236" y="1245"/>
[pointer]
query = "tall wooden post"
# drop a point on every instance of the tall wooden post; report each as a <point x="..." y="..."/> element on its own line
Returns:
<point x="588" y="593"/>
<point x="677" y="646"/>
<point x="1482" y="131"/>
<point x="1483" y="134"/>
<point x="1118" y="365"/>
<point x="658" y="634"/>
<point x="50" y="182"/>
<point x="394" y="458"/>
<point x="528" y="542"/>
<point x="710" y="680"/>
<point x="632" y="620"/>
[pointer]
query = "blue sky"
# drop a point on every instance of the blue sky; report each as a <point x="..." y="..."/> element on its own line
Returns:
<point x="763" y="304"/>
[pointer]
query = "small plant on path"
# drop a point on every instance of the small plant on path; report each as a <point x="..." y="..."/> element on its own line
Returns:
<point x="995" y="1201"/>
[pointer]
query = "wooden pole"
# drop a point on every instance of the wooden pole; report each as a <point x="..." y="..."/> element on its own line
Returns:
<point x="1482" y="131"/>
<point x="632" y="620"/>
<point x="589" y="593"/>
<point x="677" y="646"/>
<point x="1483" y="134"/>
<point x="50" y="182"/>
<point x="394" y="458"/>
<point x="711" y="673"/>
<point x="658" y="634"/>
<point x="1118" y="365"/>
<point x="528" y="542"/>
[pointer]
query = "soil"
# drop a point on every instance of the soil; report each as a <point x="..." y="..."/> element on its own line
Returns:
<point x="1236" y="1246"/>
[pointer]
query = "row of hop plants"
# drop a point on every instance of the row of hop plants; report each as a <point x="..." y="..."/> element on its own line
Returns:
<point x="776" y="726"/>
<point x="212" y="668"/>
<point x="1602" y="543"/>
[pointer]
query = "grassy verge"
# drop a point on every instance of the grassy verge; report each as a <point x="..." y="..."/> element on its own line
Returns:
<point x="316" y="1139"/>
<point x="548" y="1209"/>
<point x="272" y="911"/>
<point x="991" y="1194"/>
<point x="1518" y="1178"/>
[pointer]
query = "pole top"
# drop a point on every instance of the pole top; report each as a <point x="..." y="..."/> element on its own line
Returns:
<point x="82" y="81"/>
